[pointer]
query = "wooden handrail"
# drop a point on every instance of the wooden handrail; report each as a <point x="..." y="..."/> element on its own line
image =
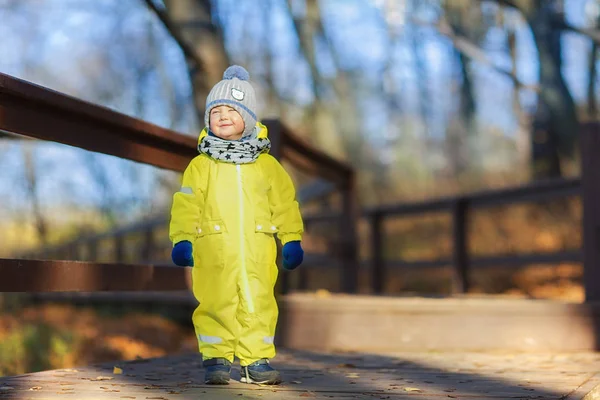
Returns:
<point x="33" y="111"/>
<point x="534" y="191"/>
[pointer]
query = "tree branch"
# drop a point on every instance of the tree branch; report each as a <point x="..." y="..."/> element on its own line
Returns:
<point x="471" y="50"/>
<point x="176" y="34"/>
<point x="593" y="34"/>
<point x="506" y="3"/>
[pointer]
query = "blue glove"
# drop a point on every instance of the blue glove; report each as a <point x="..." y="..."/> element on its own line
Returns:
<point x="182" y="254"/>
<point x="292" y="255"/>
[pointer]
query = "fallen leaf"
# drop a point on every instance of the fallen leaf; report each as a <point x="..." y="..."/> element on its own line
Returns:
<point x="102" y="378"/>
<point x="117" y="371"/>
<point x="36" y="388"/>
<point x="412" y="389"/>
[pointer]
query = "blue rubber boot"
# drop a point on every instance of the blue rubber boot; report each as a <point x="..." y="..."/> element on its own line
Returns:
<point x="218" y="371"/>
<point x="261" y="373"/>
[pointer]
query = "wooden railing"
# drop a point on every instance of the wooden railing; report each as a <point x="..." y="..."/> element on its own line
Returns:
<point x="37" y="112"/>
<point x="460" y="207"/>
<point x="33" y="111"/>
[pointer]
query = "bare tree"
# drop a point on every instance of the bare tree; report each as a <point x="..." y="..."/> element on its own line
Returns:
<point x="334" y="97"/>
<point x="194" y="20"/>
<point x="32" y="187"/>
<point x="593" y="72"/>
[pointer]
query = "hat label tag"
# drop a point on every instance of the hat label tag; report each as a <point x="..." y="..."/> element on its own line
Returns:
<point x="237" y="94"/>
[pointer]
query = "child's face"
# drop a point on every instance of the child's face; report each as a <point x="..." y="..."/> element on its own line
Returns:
<point x="226" y="123"/>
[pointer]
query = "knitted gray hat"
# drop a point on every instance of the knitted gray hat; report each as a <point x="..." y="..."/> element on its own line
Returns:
<point x="235" y="91"/>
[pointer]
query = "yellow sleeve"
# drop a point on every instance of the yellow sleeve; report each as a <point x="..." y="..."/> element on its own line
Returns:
<point x="187" y="204"/>
<point x="285" y="210"/>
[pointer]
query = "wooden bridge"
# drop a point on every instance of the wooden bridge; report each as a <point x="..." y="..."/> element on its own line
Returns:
<point x="311" y="326"/>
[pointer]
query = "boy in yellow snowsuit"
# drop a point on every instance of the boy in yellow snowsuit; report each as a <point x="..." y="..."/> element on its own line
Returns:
<point x="234" y="199"/>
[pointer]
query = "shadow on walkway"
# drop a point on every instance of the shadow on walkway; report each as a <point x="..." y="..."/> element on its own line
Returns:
<point x="327" y="376"/>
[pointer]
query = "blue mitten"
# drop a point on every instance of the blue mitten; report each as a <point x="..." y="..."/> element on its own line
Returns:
<point x="292" y="255"/>
<point x="182" y="254"/>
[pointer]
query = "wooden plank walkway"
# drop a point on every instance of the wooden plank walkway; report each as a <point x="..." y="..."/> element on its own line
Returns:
<point x="329" y="376"/>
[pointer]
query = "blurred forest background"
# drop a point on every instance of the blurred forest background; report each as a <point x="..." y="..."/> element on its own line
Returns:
<point x="425" y="98"/>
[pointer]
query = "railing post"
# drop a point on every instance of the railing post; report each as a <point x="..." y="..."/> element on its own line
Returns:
<point x="276" y="138"/>
<point x="148" y="246"/>
<point x="303" y="272"/>
<point x="460" y="256"/>
<point x="92" y="250"/>
<point x="348" y="237"/>
<point x="590" y="197"/>
<point x="378" y="273"/>
<point x="119" y="248"/>
<point x="71" y="252"/>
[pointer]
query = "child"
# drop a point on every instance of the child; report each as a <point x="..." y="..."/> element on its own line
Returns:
<point x="234" y="198"/>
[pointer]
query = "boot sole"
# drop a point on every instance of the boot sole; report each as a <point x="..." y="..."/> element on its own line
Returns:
<point x="216" y="382"/>
<point x="275" y="381"/>
<point x="219" y="379"/>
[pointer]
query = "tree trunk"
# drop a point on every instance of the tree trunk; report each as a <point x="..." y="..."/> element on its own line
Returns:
<point x="325" y="115"/>
<point x="31" y="181"/>
<point x="461" y="138"/>
<point x="194" y="19"/>
<point x="592" y="104"/>
<point x="523" y="135"/>
<point x="556" y="126"/>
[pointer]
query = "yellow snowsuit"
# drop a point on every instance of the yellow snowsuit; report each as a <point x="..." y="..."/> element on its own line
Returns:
<point x="230" y="213"/>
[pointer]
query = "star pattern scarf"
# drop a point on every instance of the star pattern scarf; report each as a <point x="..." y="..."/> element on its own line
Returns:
<point x="235" y="152"/>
